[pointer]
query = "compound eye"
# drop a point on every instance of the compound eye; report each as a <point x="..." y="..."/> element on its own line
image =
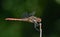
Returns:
<point x="38" y="20"/>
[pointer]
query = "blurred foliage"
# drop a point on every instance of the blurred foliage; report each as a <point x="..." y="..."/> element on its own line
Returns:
<point x="57" y="1"/>
<point x="48" y="10"/>
<point x="51" y="16"/>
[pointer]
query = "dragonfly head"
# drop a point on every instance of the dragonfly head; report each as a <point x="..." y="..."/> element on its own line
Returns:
<point x="38" y="19"/>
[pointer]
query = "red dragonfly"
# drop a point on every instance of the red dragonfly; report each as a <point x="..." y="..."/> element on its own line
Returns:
<point x="28" y="18"/>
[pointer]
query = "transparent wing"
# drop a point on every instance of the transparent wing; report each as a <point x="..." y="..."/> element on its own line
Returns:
<point x="32" y="13"/>
<point x="24" y="15"/>
<point x="27" y="14"/>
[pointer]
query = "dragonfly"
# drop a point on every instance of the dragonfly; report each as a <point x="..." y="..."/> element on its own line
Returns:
<point x="29" y="17"/>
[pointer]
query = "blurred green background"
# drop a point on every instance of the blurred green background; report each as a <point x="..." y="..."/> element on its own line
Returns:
<point x="48" y="10"/>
